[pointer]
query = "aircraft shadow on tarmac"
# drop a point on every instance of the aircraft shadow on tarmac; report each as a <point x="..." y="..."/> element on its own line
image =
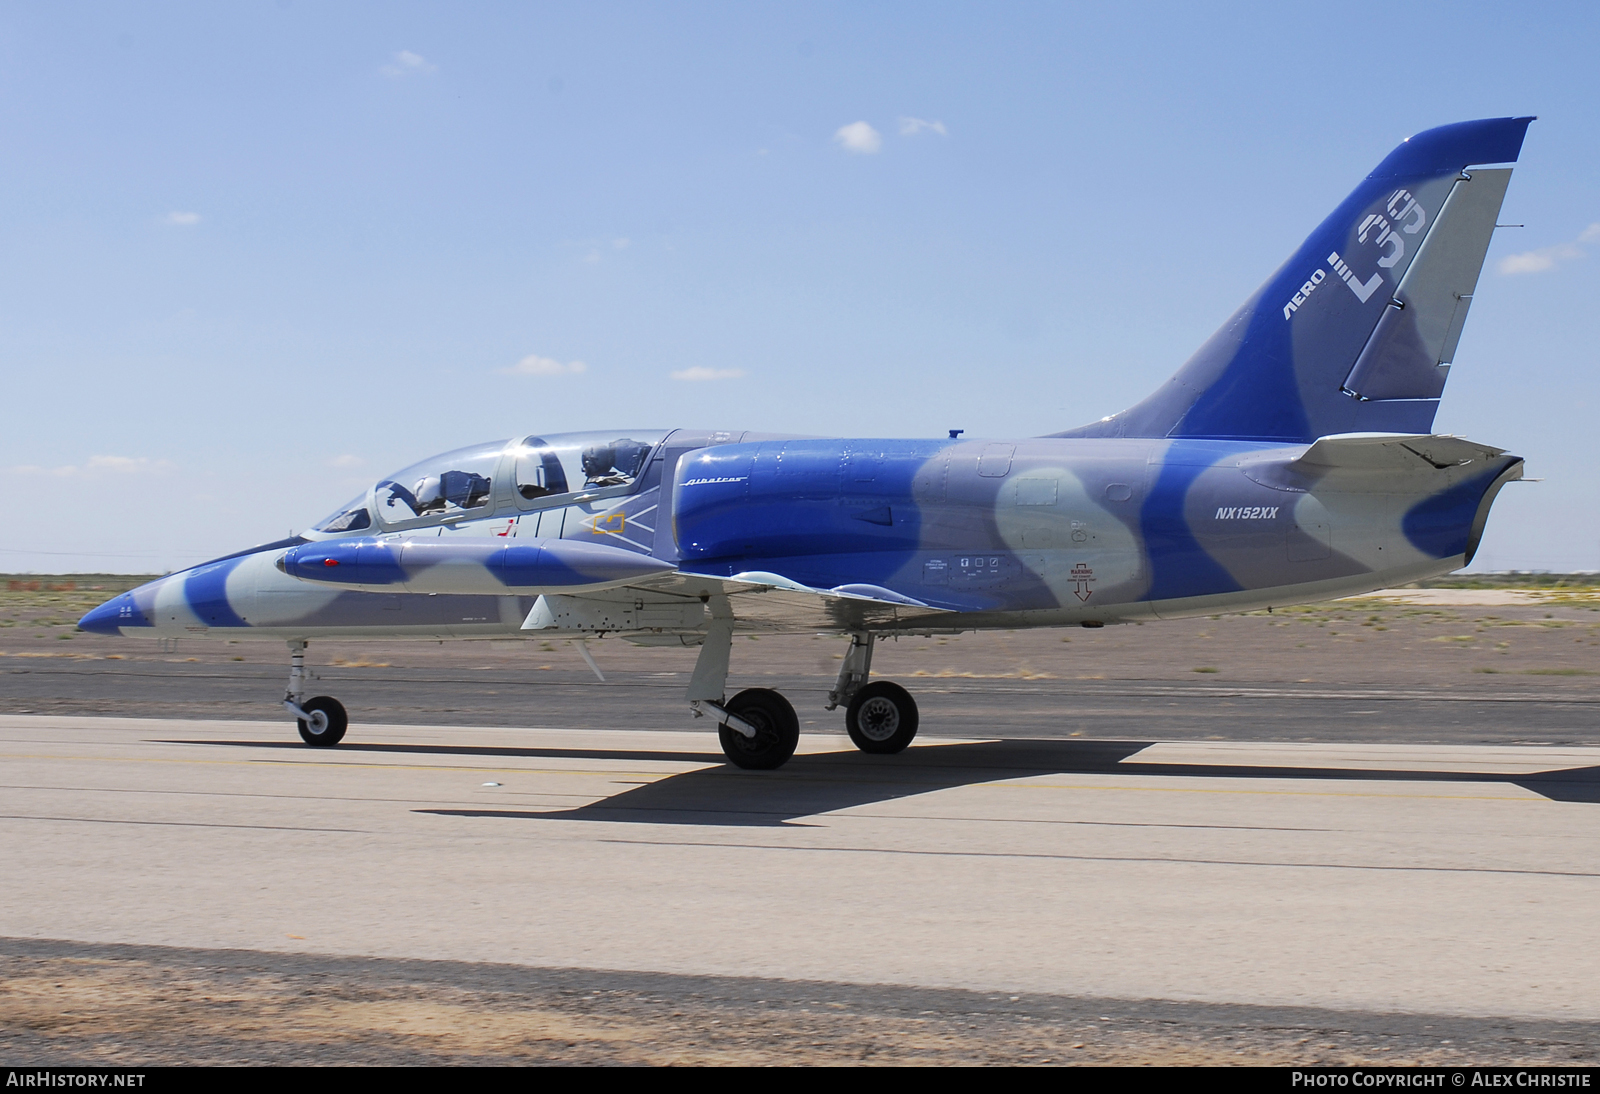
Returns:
<point x="809" y="785"/>
<point x="821" y="783"/>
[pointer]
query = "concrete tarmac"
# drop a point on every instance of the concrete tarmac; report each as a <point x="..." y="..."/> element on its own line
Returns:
<point x="1344" y="834"/>
<point x="1438" y="713"/>
<point x="1427" y="879"/>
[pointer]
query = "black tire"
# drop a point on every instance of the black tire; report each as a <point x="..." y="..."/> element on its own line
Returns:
<point x="882" y="718"/>
<point x="777" y="730"/>
<point x="327" y="730"/>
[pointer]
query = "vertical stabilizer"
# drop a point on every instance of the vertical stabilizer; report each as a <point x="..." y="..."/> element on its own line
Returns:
<point x="1355" y="333"/>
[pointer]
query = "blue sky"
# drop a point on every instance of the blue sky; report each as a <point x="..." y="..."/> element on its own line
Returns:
<point x="260" y="253"/>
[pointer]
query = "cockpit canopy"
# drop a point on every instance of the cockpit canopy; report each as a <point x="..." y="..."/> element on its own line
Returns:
<point x="516" y="475"/>
<point x="455" y="482"/>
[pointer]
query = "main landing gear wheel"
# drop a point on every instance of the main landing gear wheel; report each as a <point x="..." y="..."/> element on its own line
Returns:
<point x="325" y="728"/>
<point x="882" y="718"/>
<point x="777" y="729"/>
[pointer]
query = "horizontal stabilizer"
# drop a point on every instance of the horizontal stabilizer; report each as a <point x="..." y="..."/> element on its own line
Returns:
<point x="1391" y="452"/>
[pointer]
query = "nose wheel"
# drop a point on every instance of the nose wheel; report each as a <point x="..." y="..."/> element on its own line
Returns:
<point x="325" y="722"/>
<point x="881" y="718"/>
<point x="322" y="720"/>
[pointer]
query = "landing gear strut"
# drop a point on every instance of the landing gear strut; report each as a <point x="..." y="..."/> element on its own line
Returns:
<point x="880" y="717"/>
<point x="758" y="727"/>
<point x="322" y="720"/>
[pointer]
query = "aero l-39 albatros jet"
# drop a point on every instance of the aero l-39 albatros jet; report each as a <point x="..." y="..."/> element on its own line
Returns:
<point x="1290" y="459"/>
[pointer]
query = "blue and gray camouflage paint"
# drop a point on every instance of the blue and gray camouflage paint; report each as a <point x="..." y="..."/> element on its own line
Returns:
<point x="1290" y="459"/>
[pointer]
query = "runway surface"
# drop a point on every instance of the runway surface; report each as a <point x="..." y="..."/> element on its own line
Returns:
<point x="1444" y="880"/>
<point x="1344" y="834"/>
<point x="1485" y="710"/>
<point x="1374" y="672"/>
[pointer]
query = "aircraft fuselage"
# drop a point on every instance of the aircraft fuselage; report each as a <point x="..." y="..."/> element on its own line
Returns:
<point x="1034" y="532"/>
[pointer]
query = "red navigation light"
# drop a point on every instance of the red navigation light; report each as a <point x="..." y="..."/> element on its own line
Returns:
<point x="330" y="562"/>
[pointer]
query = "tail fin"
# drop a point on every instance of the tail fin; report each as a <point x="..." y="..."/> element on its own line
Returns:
<point x="1355" y="333"/>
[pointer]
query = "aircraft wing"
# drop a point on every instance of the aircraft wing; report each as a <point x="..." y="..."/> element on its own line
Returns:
<point x="673" y="603"/>
<point x="594" y="589"/>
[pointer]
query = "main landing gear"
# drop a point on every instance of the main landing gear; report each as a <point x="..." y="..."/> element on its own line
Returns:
<point x="322" y="720"/>
<point x="775" y="724"/>
<point x="880" y="717"/>
<point x="759" y="729"/>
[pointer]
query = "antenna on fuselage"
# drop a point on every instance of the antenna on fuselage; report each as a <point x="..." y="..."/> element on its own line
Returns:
<point x="583" y="648"/>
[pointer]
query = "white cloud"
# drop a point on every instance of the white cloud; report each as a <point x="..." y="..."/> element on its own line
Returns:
<point x="534" y="365"/>
<point x="1545" y="258"/>
<point x="347" y="460"/>
<point x="700" y="372"/>
<point x="910" y="127"/>
<point x="597" y="248"/>
<point x="1548" y="258"/>
<point x="859" y="137"/>
<point x="98" y="465"/>
<point x="124" y="464"/>
<point x="181" y="220"/>
<point x="406" y="63"/>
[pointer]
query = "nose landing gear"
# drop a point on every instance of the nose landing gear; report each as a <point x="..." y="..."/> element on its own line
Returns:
<point x="322" y="720"/>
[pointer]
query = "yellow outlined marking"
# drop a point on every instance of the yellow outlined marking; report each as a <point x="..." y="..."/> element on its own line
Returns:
<point x="651" y="775"/>
<point x="1276" y="793"/>
<point x="657" y="776"/>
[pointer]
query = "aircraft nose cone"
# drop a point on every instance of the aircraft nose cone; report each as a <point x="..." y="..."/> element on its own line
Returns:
<point x="107" y="618"/>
